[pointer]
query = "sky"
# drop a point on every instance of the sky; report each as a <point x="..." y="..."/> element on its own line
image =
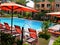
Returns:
<point x="30" y="4"/>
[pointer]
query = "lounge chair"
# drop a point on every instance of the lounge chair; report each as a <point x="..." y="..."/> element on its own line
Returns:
<point x="54" y="33"/>
<point x="1" y="26"/>
<point x="7" y="28"/>
<point x="18" y="31"/>
<point x="33" y="36"/>
<point x="15" y="32"/>
<point x="33" y="33"/>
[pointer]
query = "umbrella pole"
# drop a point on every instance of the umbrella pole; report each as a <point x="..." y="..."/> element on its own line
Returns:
<point x="0" y="12"/>
<point x="22" y="36"/>
<point x="11" y="19"/>
<point x="0" y="22"/>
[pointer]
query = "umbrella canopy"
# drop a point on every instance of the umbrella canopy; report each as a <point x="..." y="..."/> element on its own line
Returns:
<point x="54" y="14"/>
<point x="16" y="7"/>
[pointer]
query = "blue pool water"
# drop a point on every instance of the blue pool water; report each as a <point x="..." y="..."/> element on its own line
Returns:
<point x="23" y="23"/>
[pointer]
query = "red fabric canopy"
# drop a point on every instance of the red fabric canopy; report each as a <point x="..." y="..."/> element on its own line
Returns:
<point x="54" y="14"/>
<point x="16" y="7"/>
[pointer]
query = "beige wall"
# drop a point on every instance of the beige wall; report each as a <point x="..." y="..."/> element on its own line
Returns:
<point x="45" y="5"/>
<point x="56" y="8"/>
<point x="47" y="2"/>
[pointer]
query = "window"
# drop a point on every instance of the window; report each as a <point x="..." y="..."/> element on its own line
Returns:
<point x="43" y="0"/>
<point x="39" y="0"/>
<point x="42" y="5"/>
<point x="37" y="5"/>
<point x="57" y="5"/>
<point x="42" y="10"/>
<point x="48" y="5"/>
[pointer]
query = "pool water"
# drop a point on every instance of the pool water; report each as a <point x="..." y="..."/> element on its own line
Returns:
<point x="23" y="23"/>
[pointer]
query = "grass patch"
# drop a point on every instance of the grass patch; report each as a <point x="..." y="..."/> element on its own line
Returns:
<point x="43" y="41"/>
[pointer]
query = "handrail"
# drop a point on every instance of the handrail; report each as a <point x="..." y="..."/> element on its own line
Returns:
<point x="27" y="24"/>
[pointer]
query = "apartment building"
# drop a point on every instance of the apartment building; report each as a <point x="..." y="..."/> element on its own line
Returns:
<point x="46" y="5"/>
<point x="57" y="5"/>
<point x="5" y="1"/>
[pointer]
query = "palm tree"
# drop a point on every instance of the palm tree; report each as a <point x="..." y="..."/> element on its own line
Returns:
<point x="45" y="26"/>
<point x="44" y="34"/>
<point x="21" y="1"/>
<point x="52" y="4"/>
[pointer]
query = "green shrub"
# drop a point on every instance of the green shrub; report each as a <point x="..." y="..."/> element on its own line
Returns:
<point x="19" y="42"/>
<point x="20" y="16"/>
<point x="26" y="43"/>
<point x="43" y="35"/>
<point x="7" y="39"/>
<point x="57" y="41"/>
<point x="28" y="14"/>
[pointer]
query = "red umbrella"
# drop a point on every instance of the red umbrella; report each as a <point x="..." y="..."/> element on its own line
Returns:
<point x="8" y="6"/>
<point x="4" y="8"/>
<point x="15" y="7"/>
<point x="54" y="14"/>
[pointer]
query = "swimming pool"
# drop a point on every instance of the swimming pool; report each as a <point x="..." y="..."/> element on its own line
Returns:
<point x="23" y="23"/>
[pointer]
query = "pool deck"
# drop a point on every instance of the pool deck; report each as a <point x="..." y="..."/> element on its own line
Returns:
<point x="52" y="39"/>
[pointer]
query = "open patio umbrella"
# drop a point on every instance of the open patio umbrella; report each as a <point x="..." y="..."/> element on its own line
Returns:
<point x="54" y="13"/>
<point x="15" y="7"/>
<point x="12" y="7"/>
<point x="8" y="6"/>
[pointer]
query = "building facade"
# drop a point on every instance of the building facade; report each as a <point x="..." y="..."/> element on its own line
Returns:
<point x="46" y="5"/>
<point x="57" y="5"/>
<point x="4" y="0"/>
<point x="7" y="0"/>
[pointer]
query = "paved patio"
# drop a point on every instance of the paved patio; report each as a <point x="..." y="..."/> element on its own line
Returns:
<point x="52" y="39"/>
